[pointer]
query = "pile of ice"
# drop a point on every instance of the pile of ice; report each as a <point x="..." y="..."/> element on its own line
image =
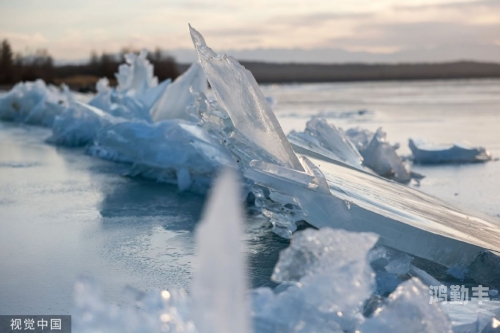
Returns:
<point x="33" y="103"/>
<point x="357" y="148"/>
<point x="327" y="284"/>
<point x="140" y="122"/>
<point x="171" y="151"/>
<point x="426" y="153"/>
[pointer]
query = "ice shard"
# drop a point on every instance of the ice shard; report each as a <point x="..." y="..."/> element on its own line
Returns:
<point x="119" y="104"/>
<point x="408" y="310"/>
<point x="79" y="124"/>
<point x="324" y="140"/>
<point x="405" y="218"/>
<point x="136" y="75"/>
<point x="325" y="194"/>
<point x="327" y="278"/>
<point x="426" y="153"/>
<point x="178" y="96"/>
<point x="240" y="97"/>
<point x="220" y="286"/>
<point x="381" y="157"/>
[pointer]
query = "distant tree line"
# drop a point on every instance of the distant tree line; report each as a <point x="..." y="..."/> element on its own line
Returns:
<point x="15" y="67"/>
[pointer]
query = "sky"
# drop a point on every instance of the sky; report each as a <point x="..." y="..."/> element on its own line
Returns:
<point x="263" y="30"/>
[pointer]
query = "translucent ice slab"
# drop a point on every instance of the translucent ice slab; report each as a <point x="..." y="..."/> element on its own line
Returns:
<point x="405" y="219"/>
<point x="178" y="96"/>
<point x="325" y="140"/>
<point x="239" y="95"/>
<point x="336" y="195"/>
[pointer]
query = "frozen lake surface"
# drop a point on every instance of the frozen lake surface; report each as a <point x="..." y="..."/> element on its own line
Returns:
<point x="63" y="213"/>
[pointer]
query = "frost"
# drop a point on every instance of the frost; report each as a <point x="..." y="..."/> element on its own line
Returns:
<point x="426" y="153"/>
<point x="239" y="95"/>
<point x="179" y="95"/>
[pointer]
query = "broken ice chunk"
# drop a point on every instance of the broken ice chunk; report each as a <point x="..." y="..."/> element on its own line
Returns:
<point x="472" y="317"/>
<point x="426" y="153"/>
<point x="136" y="75"/>
<point x="326" y="141"/>
<point x="359" y="137"/>
<point x="34" y="103"/>
<point x="239" y="95"/>
<point x="79" y="124"/>
<point x="220" y="286"/>
<point x="405" y="219"/>
<point x="381" y="157"/>
<point x="328" y="277"/>
<point x="151" y="95"/>
<point x="314" y="251"/>
<point x="179" y="95"/>
<point x="164" y="151"/>
<point x="408" y="310"/>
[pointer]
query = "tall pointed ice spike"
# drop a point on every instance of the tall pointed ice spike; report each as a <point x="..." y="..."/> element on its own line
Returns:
<point x="239" y="95"/>
<point x="219" y="285"/>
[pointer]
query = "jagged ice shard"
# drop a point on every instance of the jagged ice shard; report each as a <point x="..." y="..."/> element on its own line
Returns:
<point x="334" y="195"/>
<point x="328" y="140"/>
<point x="173" y="102"/>
<point x="239" y="95"/>
<point x="219" y="286"/>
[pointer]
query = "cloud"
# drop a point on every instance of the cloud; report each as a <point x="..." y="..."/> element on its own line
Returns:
<point x="315" y="19"/>
<point x="418" y="35"/>
<point x="457" y="5"/>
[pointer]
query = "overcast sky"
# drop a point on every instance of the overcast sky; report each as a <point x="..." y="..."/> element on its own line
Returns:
<point x="71" y="29"/>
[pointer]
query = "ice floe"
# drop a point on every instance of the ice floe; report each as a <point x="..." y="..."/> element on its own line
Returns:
<point x="426" y="153"/>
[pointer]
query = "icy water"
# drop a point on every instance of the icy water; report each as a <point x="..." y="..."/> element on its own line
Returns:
<point x="63" y="213"/>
